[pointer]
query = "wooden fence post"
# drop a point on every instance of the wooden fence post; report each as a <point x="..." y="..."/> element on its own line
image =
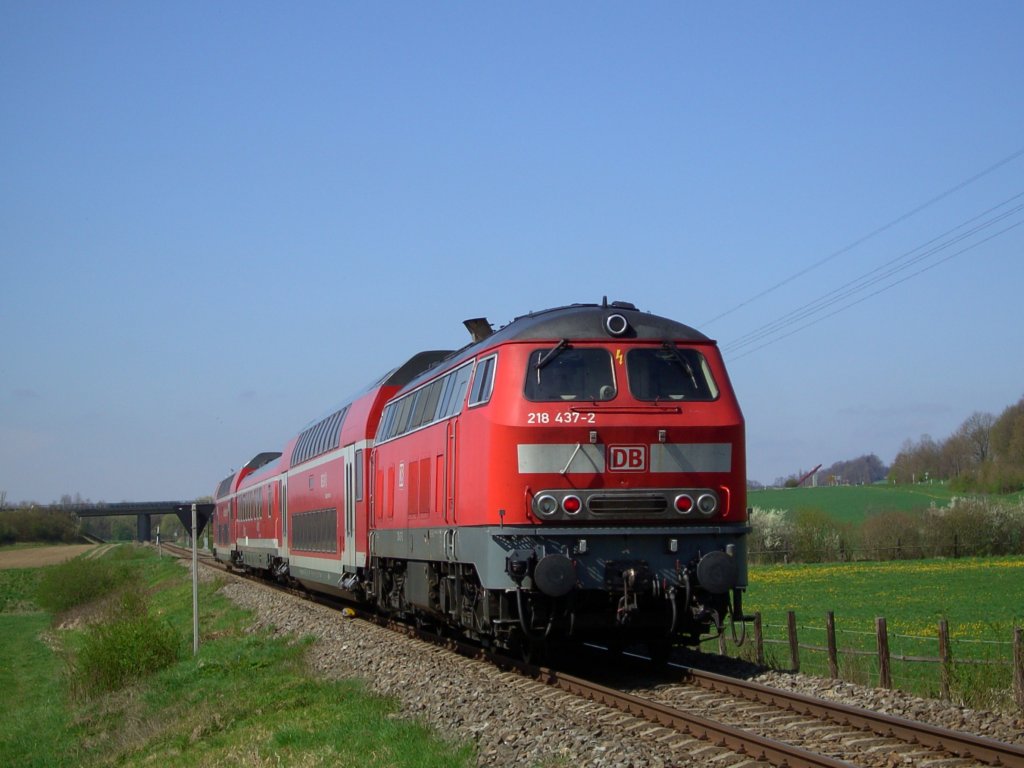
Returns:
<point x="830" y="630"/>
<point x="945" y="659"/>
<point x="1018" y="666"/>
<point x="882" y="637"/>
<point x="794" y="646"/>
<point x="758" y="639"/>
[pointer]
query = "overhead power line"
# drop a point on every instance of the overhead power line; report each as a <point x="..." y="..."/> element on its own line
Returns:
<point x="970" y="247"/>
<point x="889" y="225"/>
<point x="902" y="263"/>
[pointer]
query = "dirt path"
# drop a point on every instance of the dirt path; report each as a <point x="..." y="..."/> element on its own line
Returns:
<point x="37" y="557"/>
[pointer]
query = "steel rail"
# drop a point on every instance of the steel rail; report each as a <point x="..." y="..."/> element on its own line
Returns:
<point x="955" y="742"/>
<point x="719" y="734"/>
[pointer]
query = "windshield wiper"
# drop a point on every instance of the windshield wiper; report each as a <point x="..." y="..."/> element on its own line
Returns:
<point x="551" y="354"/>
<point x="671" y="347"/>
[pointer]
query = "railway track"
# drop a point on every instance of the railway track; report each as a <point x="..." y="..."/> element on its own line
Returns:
<point x="790" y="729"/>
<point x="927" y="736"/>
<point x="761" y="725"/>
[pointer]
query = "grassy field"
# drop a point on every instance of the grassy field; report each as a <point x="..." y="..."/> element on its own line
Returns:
<point x="979" y="597"/>
<point x="853" y="503"/>
<point x="199" y="711"/>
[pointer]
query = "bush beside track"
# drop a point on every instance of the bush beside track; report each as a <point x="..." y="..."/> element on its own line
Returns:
<point x="110" y="680"/>
<point x="857" y="523"/>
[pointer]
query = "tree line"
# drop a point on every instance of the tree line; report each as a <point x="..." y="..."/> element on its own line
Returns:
<point x="985" y="454"/>
<point x="968" y="527"/>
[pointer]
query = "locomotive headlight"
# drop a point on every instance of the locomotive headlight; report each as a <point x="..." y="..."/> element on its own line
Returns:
<point x="616" y="325"/>
<point x="684" y="503"/>
<point x="547" y="505"/>
<point x="707" y="504"/>
<point x="572" y="505"/>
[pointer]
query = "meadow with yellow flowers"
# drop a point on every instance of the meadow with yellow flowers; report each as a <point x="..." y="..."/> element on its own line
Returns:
<point x="982" y="599"/>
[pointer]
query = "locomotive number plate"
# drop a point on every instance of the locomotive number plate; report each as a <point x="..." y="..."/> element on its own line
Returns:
<point x="564" y="417"/>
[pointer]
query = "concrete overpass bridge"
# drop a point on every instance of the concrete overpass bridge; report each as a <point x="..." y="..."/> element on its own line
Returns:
<point x="145" y="510"/>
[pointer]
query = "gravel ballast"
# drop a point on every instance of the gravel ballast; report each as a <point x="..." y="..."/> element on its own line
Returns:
<point x="515" y="722"/>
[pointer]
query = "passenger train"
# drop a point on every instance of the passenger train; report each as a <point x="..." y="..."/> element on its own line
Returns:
<point x="577" y="475"/>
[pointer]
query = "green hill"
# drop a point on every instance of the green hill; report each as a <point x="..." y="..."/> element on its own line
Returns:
<point x="853" y="503"/>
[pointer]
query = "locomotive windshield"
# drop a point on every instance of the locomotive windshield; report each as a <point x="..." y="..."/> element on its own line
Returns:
<point x="566" y="373"/>
<point x="669" y="373"/>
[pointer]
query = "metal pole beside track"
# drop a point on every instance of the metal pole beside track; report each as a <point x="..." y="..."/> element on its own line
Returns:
<point x="195" y="586"/>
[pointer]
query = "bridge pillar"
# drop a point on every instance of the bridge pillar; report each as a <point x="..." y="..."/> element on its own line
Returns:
<point x="144" y="528"/>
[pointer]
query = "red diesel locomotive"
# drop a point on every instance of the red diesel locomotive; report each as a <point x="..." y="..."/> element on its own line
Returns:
<point x="578" y="475"/>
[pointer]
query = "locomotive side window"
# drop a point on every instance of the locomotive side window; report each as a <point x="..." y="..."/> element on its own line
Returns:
<point x="430" y="403"/>
<point x="405" y="406"/>
<point x="564" y="373"/>
<point x="457" y="395"/>
<point x="669" y="373"/>
<point x="483" y="382"/>
<point x="386" y="420"/>
<point x="447" y="384"/>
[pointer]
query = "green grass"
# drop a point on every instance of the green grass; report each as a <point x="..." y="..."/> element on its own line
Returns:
<point x="80" y="581"/>
<point x="246" y="699"/>
<point x="18" y="588"/>
<point x="130" y="643"/>
<point x="30" y="677"/>
<point x="853" y="503"/>
<point x="979" y="597"/>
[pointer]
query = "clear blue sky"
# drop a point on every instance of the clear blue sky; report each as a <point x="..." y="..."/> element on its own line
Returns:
<point x="219" y="219"/>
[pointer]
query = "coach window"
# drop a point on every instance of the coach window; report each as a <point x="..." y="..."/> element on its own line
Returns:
<point x="669" y="373"/>
<point x="566" y="373"/>
<point x="483" y="381"/>
<point x="323" y="436"/>
<point x="359" y="475"/>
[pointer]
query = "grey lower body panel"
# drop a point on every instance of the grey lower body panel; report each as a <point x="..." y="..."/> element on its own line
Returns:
<point x="592" y="549"/>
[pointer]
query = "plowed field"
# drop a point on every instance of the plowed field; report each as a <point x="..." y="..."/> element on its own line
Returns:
<point x="39" y="557"/>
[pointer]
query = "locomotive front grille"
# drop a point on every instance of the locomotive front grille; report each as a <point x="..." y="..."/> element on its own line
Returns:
<point x="628" y="504"/>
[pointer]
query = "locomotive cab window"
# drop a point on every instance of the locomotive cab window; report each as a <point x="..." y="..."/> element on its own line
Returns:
<point x="669" y="373"/>
<point x="564" y="373"/>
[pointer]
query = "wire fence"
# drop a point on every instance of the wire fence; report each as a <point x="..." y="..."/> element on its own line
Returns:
<point x="974" y="672"/>
<point x="954" y="548"/>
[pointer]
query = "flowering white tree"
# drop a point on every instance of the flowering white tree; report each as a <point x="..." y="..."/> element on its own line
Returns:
<point x="772" y="531"/>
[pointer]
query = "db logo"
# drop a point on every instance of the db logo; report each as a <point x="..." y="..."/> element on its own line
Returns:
<point x="627" y="458"/>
